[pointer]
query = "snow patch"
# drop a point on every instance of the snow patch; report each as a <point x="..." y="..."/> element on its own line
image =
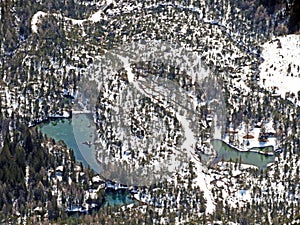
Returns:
<point x="36" y="19"/>
<point x="280" y="67"/>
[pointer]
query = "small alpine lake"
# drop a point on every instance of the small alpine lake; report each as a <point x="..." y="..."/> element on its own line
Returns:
<point x="78" y="133"/>
<point x="226" y="152"/>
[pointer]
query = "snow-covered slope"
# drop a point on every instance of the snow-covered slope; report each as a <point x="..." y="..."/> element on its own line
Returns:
<point x="95" y="17"/>
<point x="280" y="69"/>
<point x="153" y="115"/>
<point x="36" y="19"/>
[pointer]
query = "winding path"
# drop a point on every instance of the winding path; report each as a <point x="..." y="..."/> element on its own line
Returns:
<point x="202" y="180"/>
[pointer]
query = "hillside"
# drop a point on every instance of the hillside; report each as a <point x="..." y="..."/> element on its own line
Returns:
<point x="163" y="80"/>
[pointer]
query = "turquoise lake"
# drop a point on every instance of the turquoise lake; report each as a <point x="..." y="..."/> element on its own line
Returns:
<point x="117" y="198"/>
<point x="76" y="133"/>
<point x="253" y="158"/>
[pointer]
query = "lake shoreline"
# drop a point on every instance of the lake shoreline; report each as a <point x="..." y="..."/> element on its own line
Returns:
<point x="226" y="152"/>
<point x="251" y="149"/>
<point x="74" y="132"/>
